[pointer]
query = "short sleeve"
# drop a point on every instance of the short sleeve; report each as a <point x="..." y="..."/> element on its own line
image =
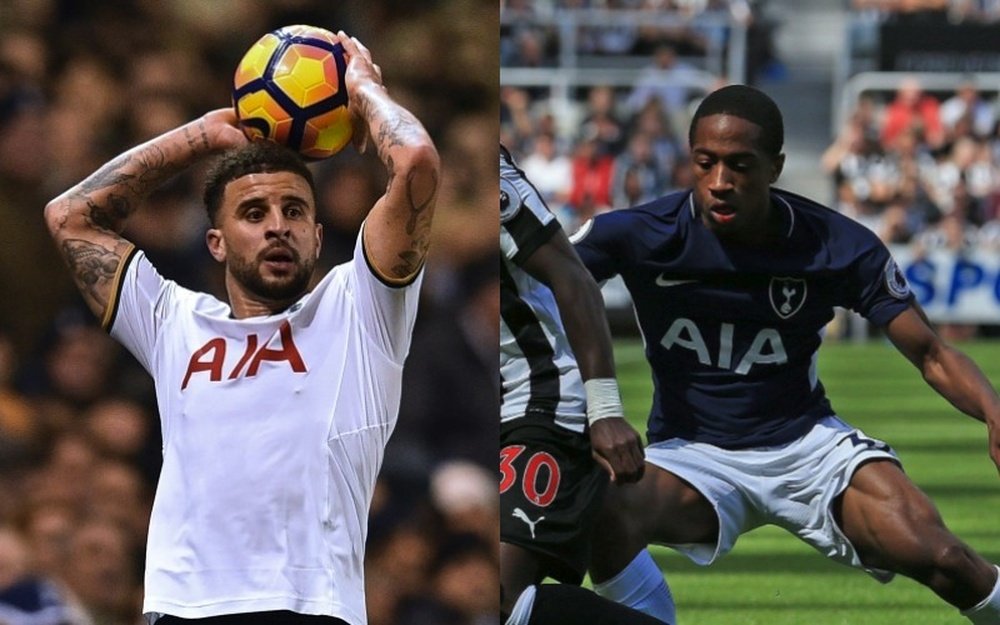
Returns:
<point x="135" y="315"/>
<point x="884" y="291"/>
<point x="526" y="223"/>
<point x="599" y="243"/>
<point x="387" y="312"/>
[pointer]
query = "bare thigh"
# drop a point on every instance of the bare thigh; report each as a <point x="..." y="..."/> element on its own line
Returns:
<point x="519" y="568"/>
<point x="660" y="508"/>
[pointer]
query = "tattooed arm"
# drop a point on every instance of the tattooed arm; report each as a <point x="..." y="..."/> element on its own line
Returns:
<point x="397" y="232"/>
<point x="86" y="221"/>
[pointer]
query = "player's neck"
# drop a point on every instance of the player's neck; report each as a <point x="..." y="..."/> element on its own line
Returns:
<point x="764" y="231"/>
<point x="245" y="304"/>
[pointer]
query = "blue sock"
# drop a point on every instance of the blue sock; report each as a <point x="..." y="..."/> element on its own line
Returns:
<point x="641" y="585"/>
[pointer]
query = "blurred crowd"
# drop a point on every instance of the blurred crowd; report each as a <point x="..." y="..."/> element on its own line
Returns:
<point x="922" y="168"/>
<point x="612" y="145"/>
<point x="79" y="434"/>
<point x="533" y="32"/>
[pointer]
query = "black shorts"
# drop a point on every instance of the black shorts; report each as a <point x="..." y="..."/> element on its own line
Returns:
<point x="279" y="617"/>
<point x="550" y="492"/>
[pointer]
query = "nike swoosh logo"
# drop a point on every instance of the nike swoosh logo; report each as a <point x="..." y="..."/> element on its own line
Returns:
<point x="661" y="281"/>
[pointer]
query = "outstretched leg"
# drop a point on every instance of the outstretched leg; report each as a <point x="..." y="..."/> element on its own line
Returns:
<point x="894" y="526"/>
<point x="660" y="508"/>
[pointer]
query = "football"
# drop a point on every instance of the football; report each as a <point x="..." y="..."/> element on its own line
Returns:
<point x="289" y="88"/>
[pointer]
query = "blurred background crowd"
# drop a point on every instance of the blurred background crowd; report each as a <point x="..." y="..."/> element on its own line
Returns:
<point x="596" y="98"/>
<point x="79" y="435"/>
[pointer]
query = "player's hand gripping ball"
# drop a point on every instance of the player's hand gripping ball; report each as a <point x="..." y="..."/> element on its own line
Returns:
<point x="289" y="88"/>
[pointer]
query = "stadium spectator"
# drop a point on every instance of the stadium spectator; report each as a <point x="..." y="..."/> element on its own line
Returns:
<point x="20" y="425"/>
<point x="912" y="109"/>
<point x="26" y="597"/>
<point x="592" y="168"/>
<point x="549" y="170"/>
<point x="601" y="120"/>
<point x="638" y="175"/>
<point x="968" y="106"/>
<point x="101" y="572"/>
<point x="666" y="79"/>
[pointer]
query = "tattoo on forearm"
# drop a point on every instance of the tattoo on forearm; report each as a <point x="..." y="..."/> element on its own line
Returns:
<point x="202" y="138"/>
<point x="395" y="130"/>
<point x="108" y="175"/>
<point x="121" y="187"/>
<point x="393" y="127"/>
<point x="92" y="265"/>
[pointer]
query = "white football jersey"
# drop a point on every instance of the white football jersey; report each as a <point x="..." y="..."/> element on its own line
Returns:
<point x="274" y="430"/>
<point x="538" y="371"/>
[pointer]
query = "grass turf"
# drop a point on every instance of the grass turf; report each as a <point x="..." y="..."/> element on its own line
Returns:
<point x="770" y="577"/>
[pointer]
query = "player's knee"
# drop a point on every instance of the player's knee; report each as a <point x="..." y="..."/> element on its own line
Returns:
<point x="938" y="560"/>
<point x="952" y="559"/>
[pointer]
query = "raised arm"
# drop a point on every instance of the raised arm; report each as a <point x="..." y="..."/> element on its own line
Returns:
<point x="397" y="232"/>
<point x="86" y="221"/>
<point x="617" y="446"/>
<point x="948" y="371"/>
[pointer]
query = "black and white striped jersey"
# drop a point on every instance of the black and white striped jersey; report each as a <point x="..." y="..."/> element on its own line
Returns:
<point x="538" y="371"/>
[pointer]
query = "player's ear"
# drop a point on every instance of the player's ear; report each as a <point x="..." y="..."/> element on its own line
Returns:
<point x="319" y="239"/>
<point x="216" y="244"/>
<point x="776" y="166"/>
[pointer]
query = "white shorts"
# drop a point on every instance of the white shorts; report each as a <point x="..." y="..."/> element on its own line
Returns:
<point x="792" y="486"/>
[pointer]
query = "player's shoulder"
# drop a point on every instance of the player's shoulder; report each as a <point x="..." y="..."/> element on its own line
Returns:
<point x="518" y="196"/>
<point x="837" y="229"/>
<point x="653" y="219"/>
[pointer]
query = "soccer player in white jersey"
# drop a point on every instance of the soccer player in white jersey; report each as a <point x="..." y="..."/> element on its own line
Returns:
<point x="276" y="407"/>
<point x="560" y="412"/>
<point x="733" y="283"/>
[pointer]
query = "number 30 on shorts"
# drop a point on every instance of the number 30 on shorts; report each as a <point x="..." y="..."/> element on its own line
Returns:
<point x="533" y="473"/>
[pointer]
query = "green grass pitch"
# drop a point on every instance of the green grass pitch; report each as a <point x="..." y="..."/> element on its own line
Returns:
<point x="770" y="577"/>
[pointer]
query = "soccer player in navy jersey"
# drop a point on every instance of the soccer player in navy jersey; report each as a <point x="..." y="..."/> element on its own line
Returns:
<point x="733" y="283"/>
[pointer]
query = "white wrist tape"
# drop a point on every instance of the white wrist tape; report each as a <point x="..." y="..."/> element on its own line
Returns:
<point x="603" y="399"/>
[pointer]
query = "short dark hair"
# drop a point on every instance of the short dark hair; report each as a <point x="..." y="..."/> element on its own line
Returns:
<point x="255" y="158"/>
<point x="747" y="103"/>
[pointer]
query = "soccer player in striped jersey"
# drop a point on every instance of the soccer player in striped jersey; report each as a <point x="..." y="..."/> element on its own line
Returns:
<point x="733" y="283"/>
<point x="276" y="407"/>
<point x="562" y="427"/>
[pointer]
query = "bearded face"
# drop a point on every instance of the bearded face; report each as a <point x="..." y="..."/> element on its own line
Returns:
<point x="269" y="240"/>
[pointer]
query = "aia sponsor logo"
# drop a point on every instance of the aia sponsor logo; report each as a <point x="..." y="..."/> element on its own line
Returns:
<point x="210" y="358"/>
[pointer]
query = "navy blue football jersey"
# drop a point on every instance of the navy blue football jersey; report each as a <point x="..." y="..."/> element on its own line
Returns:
<point x="731" y="333"/>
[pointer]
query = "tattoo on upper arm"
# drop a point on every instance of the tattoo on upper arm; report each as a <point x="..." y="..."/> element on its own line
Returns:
<point x="420" y="198"/>
<point x="93" y="266"/>
<point x="108" y="217"/>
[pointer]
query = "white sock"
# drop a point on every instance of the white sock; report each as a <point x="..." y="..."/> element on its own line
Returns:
<point x="987" y="611"/>
<point x="522" y="609"/>
<point x="641" y="586"/>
